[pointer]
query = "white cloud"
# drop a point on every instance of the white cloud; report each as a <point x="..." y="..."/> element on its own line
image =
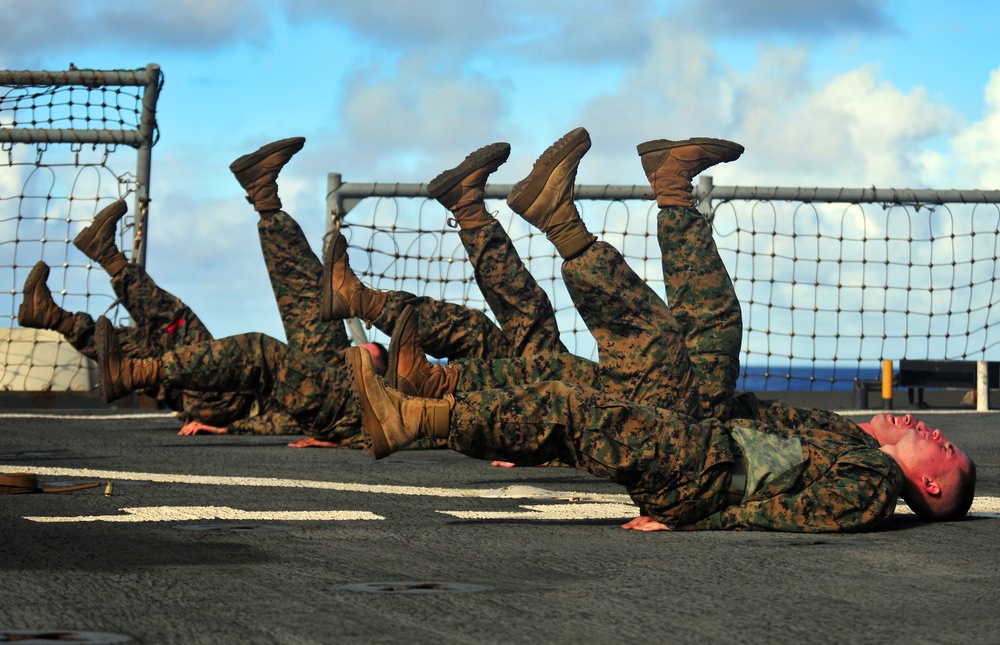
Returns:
<point x="885" y="128"/>
<point x="410" y="122"/>
<point x="546" y="31"/>
<point x="34" y="31"/>
<point x="975" y="149"/>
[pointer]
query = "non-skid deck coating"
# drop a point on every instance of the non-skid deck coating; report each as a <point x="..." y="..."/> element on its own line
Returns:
<point x="217" y="539"/>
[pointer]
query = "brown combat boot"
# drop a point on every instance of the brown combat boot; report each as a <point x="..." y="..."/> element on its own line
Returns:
<point x="258" y="172"/>
<point x="344" y="295"/>
<point x="391" y="421"/>
<point x="97" y="241"/>
<point x="462" y="189"/>
<point x="671" y="165"/>
<point x="409" y="371"/>
<point x="545" y="197"/>
<point x="38" y="310"/>
<point x="119" y="375"/>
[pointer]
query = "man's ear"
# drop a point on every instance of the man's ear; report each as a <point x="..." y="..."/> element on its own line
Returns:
<point x="930" y="486"/>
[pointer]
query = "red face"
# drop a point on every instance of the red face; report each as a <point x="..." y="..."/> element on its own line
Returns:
<point x="918" y="447"/>
<point x="890" y="428"/>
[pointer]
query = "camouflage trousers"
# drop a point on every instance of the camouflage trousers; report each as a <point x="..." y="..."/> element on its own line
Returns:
<point x="296" y="279"/>
<point x="649" y="351"/>
<point x="674" y="465"/>
<point x="450" y="331"/>
<point x="521" y="306"/>
<point x="642" y="349"/>
<point x="321" y="403"/>
<point x="702" y="298"/>
<point x="161" y="321"/>
<point x="682" y="356"/>
<point x="658" y="375"/>
<point x="293" y="390"/>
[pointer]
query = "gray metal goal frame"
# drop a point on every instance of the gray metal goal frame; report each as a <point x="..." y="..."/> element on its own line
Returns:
<point x="342" y="197"/>
<point x="142" y="139"/>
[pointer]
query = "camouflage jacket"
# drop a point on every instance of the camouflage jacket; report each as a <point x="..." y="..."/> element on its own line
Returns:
<point x="845" y="483"/>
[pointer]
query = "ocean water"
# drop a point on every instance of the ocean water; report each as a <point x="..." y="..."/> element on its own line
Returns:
<point x="805" y="377"/>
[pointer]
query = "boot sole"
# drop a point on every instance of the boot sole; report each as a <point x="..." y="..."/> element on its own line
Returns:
<point x="109" y="216"/>
<point x="392" y="366"/>
<point x="375" y="441"/>
<point x="524" y="192"/>
<point x="326" y="298"/>
<point x="253" y="158"/>
<point x="495" y="153"/>
<point x="39" y="275"/>
<point x="103" y="338"/>
<point x="656" y="145"/>
<point x="332" y="306"/>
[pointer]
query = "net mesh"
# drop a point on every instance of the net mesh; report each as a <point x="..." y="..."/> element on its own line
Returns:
<point x="48" y="193"/>
<point x="71" y="107"/>
<point x="828" y="290"/>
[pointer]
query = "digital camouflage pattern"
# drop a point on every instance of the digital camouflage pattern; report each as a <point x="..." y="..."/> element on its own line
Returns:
<point x="694" y="274"/>
<point x="296" y="274"/>
<point x="161" y="319"/>
<point x="701" y="296"/>
<point x="477" y="374"/>
<point x="641" y="348"/>
<point x="648" y="428"/>
<point x="450" y="331"/>
<point x="320" y="405"/>
<point x="446" y="330"/>
<point x="673" y="466"/>
<point x="844" y="483"/>
<point x="521" y="306"/>
<point x="293" y="393"/>
<point x="161" y="322"/>
<point x="679" y="472"/>
<point x="702" y="301"/>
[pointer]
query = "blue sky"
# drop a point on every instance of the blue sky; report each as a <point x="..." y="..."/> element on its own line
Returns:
<point x="852" y="93"/>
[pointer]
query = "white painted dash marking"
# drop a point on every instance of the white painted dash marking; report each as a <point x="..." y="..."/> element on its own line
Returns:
<point x="188" y="513"/>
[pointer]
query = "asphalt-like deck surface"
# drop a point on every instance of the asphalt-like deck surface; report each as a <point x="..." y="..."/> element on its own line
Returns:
<point x="239" y="539"/>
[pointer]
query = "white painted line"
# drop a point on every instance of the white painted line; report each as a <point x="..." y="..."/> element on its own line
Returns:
<point x="98" y="417"/>
<point x="533" y="492"/>
<point x="604" y="506"/>
<point x="188" y="513"/>
<point x="987" y="506"/>
<point x="554" y="512"/>
<point x="209" y="480"/>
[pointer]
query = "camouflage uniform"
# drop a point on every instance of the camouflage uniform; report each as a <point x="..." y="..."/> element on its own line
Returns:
<point x="294" y="393"/>
<point x="676" y="468"/>
<point x="527" y="322"/>
<point x="296" y="273"/>
<point x="302" y="387"/>
<point x="162" y="321"/>
<point x="511" y="292"/>
<point x="701" y="299"/>
<point x="525" y="347"/>
<point x="649" y="426"/>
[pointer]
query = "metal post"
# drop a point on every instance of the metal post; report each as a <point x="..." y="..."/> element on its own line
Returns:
<point x="334" y="201"/>
<point x="704" y="196"/>
<point x="982" y="387"/>
<point x="147" y="128"/>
